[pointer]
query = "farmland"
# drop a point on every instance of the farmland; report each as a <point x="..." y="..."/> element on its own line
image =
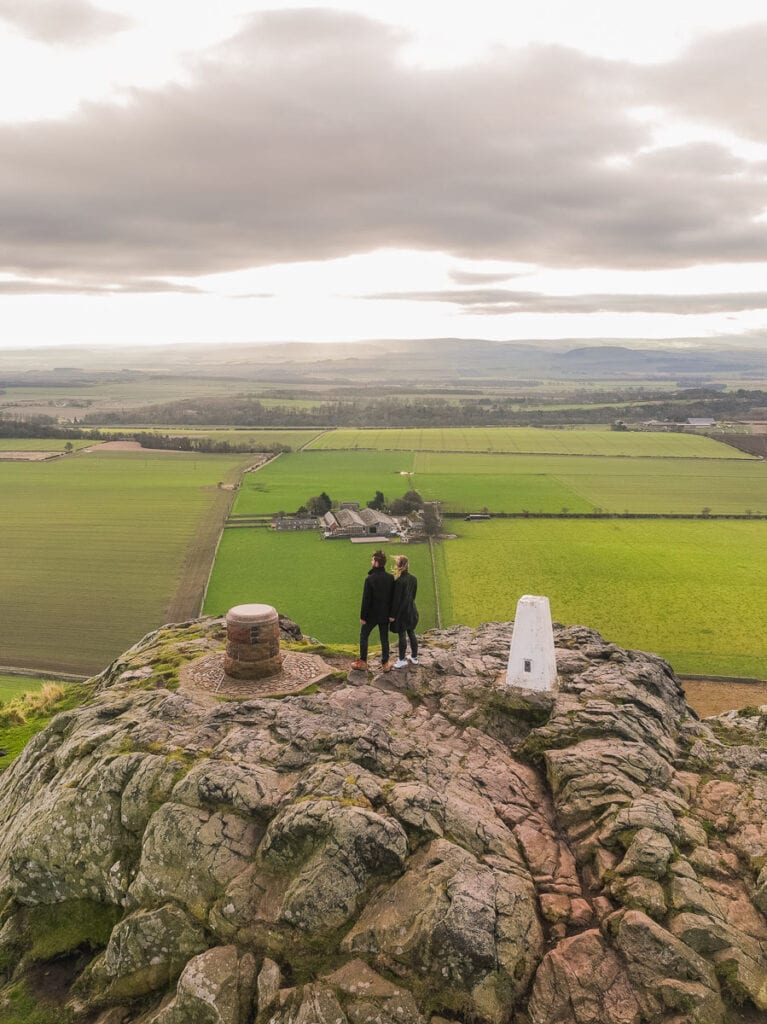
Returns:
<point x="46" y="444"/>
<point x="318" y="583"/>
<point x="286" y="483"/>
<point x="693" y="592"/>
<point x="510" y="483"/>
<point x="95" y="547"/>
<point x="103" y="546"/>
<point x="528" y="440"/>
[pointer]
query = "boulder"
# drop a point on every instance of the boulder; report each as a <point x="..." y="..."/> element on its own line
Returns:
<point x="216" y="987"/>
<point x="146" y="951"/>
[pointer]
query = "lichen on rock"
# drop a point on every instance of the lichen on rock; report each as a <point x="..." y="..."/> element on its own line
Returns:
<point x="424" y="849"/>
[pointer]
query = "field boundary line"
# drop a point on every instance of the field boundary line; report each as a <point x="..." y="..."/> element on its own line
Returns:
<point x="560" y="455"/>
<point x="711" y="517"/>
<point x="228" y="512"/>
<point x="316" y="437"/>
<point x="437" y="611"/>
<point x="750" y="680"/>
<point x="33" y="673"/>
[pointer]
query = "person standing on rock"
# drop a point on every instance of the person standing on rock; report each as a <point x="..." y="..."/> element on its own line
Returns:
<point x="404" y="614"/>
<point x="375" y="610"/>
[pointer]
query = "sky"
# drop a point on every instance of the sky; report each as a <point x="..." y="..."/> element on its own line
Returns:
<point x="247" y="171"/>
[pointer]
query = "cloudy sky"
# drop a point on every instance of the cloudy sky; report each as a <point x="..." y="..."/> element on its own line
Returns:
<point x="245" y="171"/>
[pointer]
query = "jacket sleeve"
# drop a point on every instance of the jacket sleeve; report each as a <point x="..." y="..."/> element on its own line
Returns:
<point x="396" y="599"/>
<point x="366" y="598"/>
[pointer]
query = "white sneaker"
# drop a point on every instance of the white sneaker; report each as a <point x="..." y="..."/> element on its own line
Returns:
<point x="400" y="663"/>
<point x="412" y="660"/>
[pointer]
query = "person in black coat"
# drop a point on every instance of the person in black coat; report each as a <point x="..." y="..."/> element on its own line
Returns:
<point x="404" y="614"/>
<point x="375" y="611"/>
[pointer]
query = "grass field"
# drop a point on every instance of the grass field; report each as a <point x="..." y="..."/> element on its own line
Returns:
<point x="43" y="444"/>
<point x="14" y="686"/>
<point x="94" y="549"/>
<point x="528" y="439"/>
<point x="693" y="592"/>
<point x="286" y="483"/>
<point x="318" y="583"/>
<point x="510" y="483"/>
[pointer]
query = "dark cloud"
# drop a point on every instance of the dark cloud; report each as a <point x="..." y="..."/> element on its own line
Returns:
<point x="68" y="22"/>
<point x="507" y="300"/>
<point x="721" y="79"/>
<point x="477" y="277"/>
<point x="306" y="137"/>
<point x="132" y="286"/>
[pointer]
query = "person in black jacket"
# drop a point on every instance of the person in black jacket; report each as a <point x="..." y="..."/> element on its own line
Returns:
<point x="404" y="614"/>
<point x="375" y="611"/>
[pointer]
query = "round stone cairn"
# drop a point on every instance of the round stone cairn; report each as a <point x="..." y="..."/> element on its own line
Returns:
<point x="252" y="642"/>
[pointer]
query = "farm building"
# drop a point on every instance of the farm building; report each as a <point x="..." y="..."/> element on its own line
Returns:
<point x="364" y="522"/>
<point x="295" y="523"/>
<point x="701" y="421"/>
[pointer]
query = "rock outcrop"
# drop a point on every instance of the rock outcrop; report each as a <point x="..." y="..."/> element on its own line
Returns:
<point x="425" y="847"/>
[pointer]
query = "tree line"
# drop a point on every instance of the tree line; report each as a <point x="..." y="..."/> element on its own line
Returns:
<point x="46" y="427"/>
<point x="383" y="412"/>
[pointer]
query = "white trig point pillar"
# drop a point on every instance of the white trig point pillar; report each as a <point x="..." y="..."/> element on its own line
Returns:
<point x="532" y="661"/>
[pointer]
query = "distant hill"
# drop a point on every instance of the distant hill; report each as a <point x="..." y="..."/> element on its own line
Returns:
<point x="418" y="360"/>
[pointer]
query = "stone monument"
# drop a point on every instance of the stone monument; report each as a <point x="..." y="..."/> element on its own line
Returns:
<point x="532" y="661"/>
<point x="252" y="642"/>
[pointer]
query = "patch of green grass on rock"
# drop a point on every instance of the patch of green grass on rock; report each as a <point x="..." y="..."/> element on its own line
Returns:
<point x="19" y="1006"/>
<point x="14" y="736"/>
<point x="64" y="927"/>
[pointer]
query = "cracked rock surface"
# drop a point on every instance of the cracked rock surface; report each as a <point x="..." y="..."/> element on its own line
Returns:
<point x="422" y="847"/>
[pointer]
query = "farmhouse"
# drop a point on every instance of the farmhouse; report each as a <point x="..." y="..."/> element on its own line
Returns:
<point x="361" y="522"/>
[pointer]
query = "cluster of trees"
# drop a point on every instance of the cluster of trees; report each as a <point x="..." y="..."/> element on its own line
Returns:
<point x="317" y="505"/>
<point x="165" y="442"/>
<point x="409" y="502"/>
<point x="44" y="426"/>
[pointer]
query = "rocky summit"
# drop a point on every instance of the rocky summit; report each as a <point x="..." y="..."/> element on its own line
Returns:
<point x="419" y="847"/>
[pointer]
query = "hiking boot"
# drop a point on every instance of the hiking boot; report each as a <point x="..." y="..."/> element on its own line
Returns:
<point x="400" y="663"/>
<point x="360" y="664"/>
<point x="412" y="660"/>
<point x="386" y="666"/>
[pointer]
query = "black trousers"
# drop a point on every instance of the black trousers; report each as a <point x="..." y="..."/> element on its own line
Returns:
<point x="404" y="636"/>
<point x="365" y="631"/>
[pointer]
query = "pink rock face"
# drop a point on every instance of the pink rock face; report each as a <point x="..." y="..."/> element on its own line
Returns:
<point x="582" y="981"/>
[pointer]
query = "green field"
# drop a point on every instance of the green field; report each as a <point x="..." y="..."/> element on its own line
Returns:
<point x="693" y="592"/>
<point x="513" y="483"/>
<point x="285" y="484"/>
<point x="317" y="583"/>
<point x="95" y="547"/>
<point x="12" y="687"/>
<point x="510" y="483"/>
<point x="43" y="444"/>
<point x="529" y="440"/>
